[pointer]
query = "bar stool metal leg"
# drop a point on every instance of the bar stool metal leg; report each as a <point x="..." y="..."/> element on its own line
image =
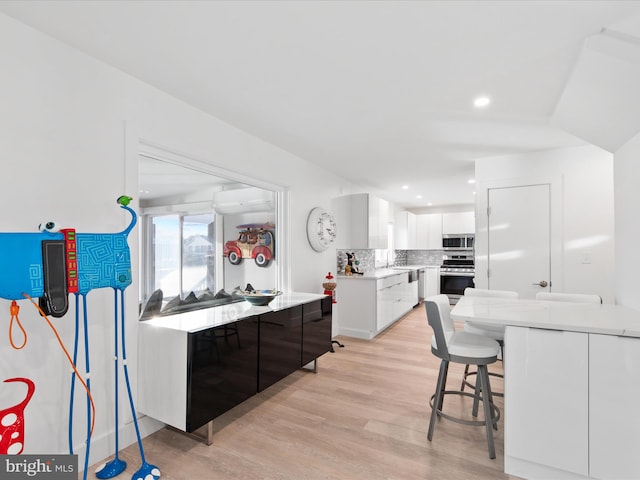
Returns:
<point x="439" y="396"/>
<point x="488" y="415"/>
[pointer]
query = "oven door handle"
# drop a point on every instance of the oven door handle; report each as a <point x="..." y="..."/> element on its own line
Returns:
<point x="457" y="274"/>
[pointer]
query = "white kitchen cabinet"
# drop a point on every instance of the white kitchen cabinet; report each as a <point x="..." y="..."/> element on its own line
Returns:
<point x="460" y="222"/>
<point x="385" y="300"/>
<point x="614" y="417"/>
<point x="363" y="221"/>
<point x="380" y="223"/>
<point x="547" y="400"/>
<point x="432" y="281"/>
<point x="429" y="231"/>
<point x="383" y="308"/>
<point x="405" y="230"/>
<point x="571" y="405"/>
<point x="411" y="231"/>
<point x="410" y="298"/>
<point x="368" y="306"/>
<point x="391" y="300"/>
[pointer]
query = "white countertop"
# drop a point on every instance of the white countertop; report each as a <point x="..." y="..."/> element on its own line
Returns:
<point x="379" y="273"/>
<point x="202" y="319"/>
<point x="376" y="274"/>
<point x="413" y="267"/>
<point x="605" y="319"/>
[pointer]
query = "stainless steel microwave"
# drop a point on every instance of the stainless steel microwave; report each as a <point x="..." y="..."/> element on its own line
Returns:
<point x="457" y="242"/>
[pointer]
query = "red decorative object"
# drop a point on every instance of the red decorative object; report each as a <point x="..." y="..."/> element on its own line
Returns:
<point x="71" y="254"/>
<point x="12" y="420"/>
<point x="255" y="240"/>
<point x="330" y="287"/>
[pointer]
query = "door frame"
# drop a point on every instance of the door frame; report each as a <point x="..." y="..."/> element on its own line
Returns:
<point x="556" y="188"/>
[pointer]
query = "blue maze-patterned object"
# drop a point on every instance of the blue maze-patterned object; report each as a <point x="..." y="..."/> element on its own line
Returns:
<point x="21" y="264"/>
<point x="104" y="260"/>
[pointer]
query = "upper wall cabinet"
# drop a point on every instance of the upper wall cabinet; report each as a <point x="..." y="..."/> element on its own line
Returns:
<point x="429" y="231"/>
<point x="424" y="231"/>
<point x="405" y="230"/>
<point x="363" y="221"/>
<point x="462" y="222"/>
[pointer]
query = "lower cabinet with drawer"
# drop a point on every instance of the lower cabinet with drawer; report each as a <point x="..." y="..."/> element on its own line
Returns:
<point x="187" y="378"/>
<point x="368" y="306"/>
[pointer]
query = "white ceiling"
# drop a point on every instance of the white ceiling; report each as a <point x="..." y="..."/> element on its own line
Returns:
<point x="378" y="91"/>
<point x="167" y="181"/>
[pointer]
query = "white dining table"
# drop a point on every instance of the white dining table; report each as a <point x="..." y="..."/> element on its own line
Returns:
<point x="572" y="386"/>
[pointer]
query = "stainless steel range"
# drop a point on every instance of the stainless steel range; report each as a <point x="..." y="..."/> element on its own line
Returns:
<point x="456" y="273"/>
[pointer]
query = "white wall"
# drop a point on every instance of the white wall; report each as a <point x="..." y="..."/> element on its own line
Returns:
<point x="627" y="200"/>
<point x="582" y="211"/>
<point x="70" y="129"/>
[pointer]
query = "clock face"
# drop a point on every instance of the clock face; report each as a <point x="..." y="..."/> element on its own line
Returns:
<point x="321" y="229"/>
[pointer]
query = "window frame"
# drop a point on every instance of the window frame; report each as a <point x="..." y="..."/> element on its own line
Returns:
<point x="282" y="214"/>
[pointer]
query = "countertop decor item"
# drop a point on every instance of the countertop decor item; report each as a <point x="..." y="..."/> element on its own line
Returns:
<point x="352" y="265"/>
<point x="321" y="229"/>
<point x="260" y="298"/>
<point x="330" y="287"/>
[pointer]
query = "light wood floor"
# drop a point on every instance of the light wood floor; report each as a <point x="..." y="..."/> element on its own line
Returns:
<point x="364" y="415"/>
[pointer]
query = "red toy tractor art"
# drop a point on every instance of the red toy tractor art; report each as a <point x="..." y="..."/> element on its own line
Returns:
<point x="255" y="240"/>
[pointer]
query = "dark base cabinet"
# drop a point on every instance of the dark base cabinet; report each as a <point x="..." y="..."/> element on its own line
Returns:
<point x="292" y="338"/>
<point x="221" y="370"/>
<point x="280" y="345"/>
<point x="316" y="329"/>
<point x="190" y="373"/>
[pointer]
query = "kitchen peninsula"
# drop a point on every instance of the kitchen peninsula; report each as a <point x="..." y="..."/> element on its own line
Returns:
<point x="196" y="365"/>
<point x="571" y="386"/>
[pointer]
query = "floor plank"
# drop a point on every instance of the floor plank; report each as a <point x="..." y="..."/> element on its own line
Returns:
<point x="364" y="415"/>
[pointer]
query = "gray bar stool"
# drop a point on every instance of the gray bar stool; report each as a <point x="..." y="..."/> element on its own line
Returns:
<point x="465" y="348"/>
<point x="491" y="331"/>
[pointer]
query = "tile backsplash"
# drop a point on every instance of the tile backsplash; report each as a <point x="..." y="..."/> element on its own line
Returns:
<point x="367" y="258"/>
<point x="424" y="257"/>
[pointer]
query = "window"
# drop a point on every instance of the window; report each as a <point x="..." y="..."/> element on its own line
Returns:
<point x="182" y="253"/>
<point x="182" y="242"/>
<point x="386" y="257"/>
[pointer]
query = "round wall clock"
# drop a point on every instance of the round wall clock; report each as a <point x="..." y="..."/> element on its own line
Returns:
<point x="321" y="229"/>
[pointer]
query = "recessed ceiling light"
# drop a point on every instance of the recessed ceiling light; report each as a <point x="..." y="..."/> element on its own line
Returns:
<point x="429" y="204"/>
<point x="418" y="197"/>
<point x="471" y="180"/>
<point x="405" y="187"/>
<point x="481" y="102"/>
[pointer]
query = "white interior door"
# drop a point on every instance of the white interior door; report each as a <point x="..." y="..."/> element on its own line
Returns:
<point x="519" y="239"/>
